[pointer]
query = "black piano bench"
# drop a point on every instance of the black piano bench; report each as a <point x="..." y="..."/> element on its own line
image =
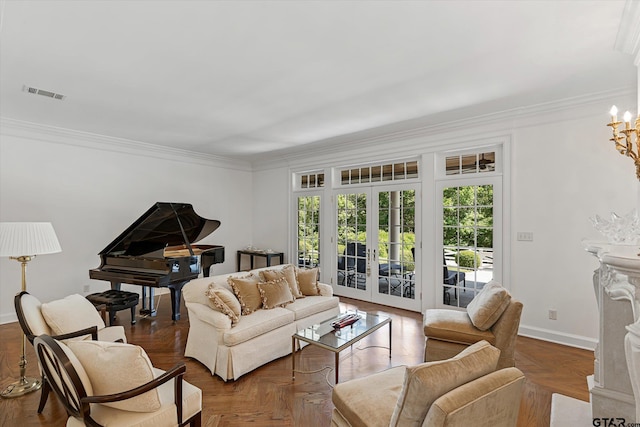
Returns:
<point x="116" y="301"/>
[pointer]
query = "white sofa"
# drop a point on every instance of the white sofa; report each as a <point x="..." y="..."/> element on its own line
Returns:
<point x="258" y="338"/>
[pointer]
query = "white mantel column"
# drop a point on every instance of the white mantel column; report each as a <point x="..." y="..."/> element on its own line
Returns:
<point x="632" y="351"/>
<point x="612" y="391"/>
<point x="616" y="390"/>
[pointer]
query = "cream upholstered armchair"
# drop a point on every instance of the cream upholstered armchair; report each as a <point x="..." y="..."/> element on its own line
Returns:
<point x="73" y="317"/>
<point x="462" y="391"/>
<point x="493" y="315"/>
<point x="114" y="384"/>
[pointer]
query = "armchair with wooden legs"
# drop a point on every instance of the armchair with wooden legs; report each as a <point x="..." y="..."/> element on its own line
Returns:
<point x="69" y="318"/>
<point x="104" y="384"/>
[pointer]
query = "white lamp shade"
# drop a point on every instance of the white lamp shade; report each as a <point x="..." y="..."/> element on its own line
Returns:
<point x="27" y="239"/>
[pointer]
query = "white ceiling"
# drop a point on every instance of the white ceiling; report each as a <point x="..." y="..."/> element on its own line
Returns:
<point x="240" y="78"/>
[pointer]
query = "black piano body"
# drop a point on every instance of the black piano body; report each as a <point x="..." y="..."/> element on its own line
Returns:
<point x="156" y="252"/>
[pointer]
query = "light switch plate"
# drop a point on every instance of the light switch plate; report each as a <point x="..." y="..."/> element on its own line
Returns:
<point x="525" y="236"/>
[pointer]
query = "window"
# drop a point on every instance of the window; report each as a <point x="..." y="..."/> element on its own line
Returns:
<point x="471" y="163"/>
<point x="468" y="241"/>
<point x="378" y="173"/>
<point x="311" y="180"/>
<point x="308" y="231"/>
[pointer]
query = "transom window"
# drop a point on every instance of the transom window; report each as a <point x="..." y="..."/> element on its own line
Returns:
<point x="471" y="163"/>
<point x="379" y="173"/>
<point x="311" y="180"/>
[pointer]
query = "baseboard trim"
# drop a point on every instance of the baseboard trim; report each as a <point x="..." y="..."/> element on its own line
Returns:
<point x="571" y="340"/>
<point x="526" y="331"/>
<point x="8" y="318"/>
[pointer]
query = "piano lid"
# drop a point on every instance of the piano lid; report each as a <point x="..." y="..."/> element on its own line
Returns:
<point x="161" y="226"/>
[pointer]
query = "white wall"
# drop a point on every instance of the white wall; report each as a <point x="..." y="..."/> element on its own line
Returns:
<point x="92" y="194"/>
<point x="563" y="174"/>
<point x="563" y="171"/>
<point x="270" y="212"/>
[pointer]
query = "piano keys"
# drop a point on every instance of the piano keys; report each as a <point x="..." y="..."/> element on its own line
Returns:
<point x="157" y="251"/>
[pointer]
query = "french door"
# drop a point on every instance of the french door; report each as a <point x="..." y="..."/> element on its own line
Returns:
<point x="469" y="212"/>
<point x="375" y="245"/>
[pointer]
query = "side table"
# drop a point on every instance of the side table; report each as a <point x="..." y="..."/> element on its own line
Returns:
<point x="253" y="254"/>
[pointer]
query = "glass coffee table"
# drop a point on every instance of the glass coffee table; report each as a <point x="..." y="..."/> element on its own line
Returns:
<point x="324" y="335"/>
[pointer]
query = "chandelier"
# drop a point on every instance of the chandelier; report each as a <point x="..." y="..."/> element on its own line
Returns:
<point x="624" y="143"/>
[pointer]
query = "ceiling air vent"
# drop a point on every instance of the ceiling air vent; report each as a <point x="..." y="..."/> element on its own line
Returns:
<point x="42" y="92"/>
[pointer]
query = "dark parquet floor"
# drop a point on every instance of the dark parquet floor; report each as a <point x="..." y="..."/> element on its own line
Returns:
<point x="269" y="397"/>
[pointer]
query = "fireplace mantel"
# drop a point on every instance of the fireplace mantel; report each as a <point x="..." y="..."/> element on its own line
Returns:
<point x="615" y="391"/>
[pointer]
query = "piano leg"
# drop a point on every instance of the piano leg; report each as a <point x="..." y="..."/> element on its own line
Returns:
<point x="148" y="310"/>
<point x="176" y="293"/>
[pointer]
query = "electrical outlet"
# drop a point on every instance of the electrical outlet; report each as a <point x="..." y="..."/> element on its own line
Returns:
<point x="553" y="314"/>
<point x="85" y="288"/>
<point x="525" y="236"/>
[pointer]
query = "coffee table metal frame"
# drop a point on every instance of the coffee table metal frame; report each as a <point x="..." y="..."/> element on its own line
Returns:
<point x="325" y="336"/>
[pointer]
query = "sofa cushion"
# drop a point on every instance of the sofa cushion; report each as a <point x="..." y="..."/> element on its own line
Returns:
<point x="369" y="401"/>
<point x="308" y="281"/>
<point x="311" y="305"/>
<point x="195" y="291"/>
<point x="426" y="382"/>
<point x="70" y="314"/>
<point x="275" y="293"/>
<point x="128" y="367"/>
<point x="487" y="307"/>
<point x="224" y="301"/>
<point x="289" y="273"/>
<point x="246" y="289"/>
<point x="454" y="326"/>
<point x="258" y="323"/>
<point x="222" y="280"/>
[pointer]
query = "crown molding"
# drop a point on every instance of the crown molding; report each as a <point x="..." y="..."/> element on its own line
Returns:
<point x="406" y="138"/>
<point x="52" y="134"/>
<point x="421" y="134"/>
<point x="628" y="38"/>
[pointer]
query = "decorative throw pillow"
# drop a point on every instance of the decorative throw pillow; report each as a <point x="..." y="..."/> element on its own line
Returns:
<point x="275" y="293"/>
<point x="225" y="301"/>
<point x="116" y="367"/>
<point x="70" y="314"/>
<point x="289" y="273"/>
<point x="246" y="289"/>
<point x="77" y="365"/>
<point x="308" y="281"/>
<point x="486" y="308"/>
<point x="426" y="382"/>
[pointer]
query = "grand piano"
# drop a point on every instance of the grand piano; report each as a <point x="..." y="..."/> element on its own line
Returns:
<point x="157" y="251"/>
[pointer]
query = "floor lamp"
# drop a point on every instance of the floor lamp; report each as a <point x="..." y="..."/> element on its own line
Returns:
<point x="22" y="241"/>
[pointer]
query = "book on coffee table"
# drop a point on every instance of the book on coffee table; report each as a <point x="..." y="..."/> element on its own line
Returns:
<point x="346" y="320"/>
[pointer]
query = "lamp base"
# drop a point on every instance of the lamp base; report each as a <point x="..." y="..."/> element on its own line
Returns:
<point x="21" y="387"/>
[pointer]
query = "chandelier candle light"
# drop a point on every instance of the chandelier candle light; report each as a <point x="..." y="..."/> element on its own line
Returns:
<point x="22" y="241"/>
<point x="626" y="148"/>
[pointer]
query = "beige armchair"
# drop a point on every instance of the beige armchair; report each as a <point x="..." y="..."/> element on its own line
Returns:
<point x="493" y="315"/>
<point x="114" y="384"/>
<point x="462" y="391"/>
<point x="73" y="317"/>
